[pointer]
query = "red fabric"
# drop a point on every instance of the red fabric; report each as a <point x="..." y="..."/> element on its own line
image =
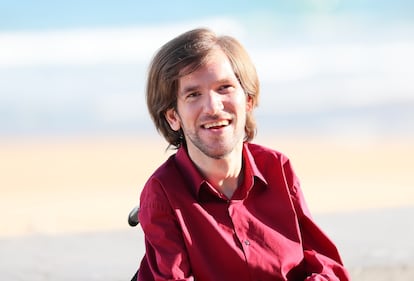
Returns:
<point x="265" y="232"/>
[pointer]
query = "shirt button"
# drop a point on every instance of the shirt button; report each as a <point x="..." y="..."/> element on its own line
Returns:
<point x="246" y="242"/>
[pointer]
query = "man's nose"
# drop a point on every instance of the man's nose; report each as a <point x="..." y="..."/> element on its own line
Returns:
<point x="214" y="102"/>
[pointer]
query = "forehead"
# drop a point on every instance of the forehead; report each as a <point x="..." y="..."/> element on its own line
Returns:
<point x="215" y="64"/>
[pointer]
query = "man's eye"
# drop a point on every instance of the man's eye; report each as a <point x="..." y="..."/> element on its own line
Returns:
<point x="226" y="88"/>
<point x="193" y="95"/>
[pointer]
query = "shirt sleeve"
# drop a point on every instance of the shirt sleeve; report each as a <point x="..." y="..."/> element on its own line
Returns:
<point x="166" y="256"/>
<point x="321" y="258"/>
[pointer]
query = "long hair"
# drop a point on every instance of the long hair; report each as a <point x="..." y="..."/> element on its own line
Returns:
<point x="188" y="52"/>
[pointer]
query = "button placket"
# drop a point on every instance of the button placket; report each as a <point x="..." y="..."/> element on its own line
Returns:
<point x="238" y="230"/>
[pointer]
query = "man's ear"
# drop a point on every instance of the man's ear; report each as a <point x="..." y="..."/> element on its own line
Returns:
<point x="173" y="119"/>
<point x="249" y="103"/>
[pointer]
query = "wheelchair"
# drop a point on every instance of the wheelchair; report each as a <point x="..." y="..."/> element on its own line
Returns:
<point x="134" y="221"/>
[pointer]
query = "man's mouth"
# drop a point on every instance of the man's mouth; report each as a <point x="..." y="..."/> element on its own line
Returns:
<point x="216" y="124"/>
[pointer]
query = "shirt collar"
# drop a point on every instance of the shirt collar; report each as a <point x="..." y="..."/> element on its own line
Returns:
<point x="188" y="170"/>
<point x="251" y="170"/>
<point x="196" y="180"/>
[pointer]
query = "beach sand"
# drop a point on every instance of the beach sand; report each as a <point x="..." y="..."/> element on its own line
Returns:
<point x="65" y="202"/>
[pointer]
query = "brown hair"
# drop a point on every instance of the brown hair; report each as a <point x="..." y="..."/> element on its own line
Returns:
<point x="188" y="52"/>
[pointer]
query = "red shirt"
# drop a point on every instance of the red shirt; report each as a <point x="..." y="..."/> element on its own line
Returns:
<point x="264" y="232"/>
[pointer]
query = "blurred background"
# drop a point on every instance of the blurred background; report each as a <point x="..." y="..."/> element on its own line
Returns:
<point x="77" y="144"/>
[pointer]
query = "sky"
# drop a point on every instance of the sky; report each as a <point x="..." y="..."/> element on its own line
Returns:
<point x="49" y="14"/>
<point x="326" y="66"/>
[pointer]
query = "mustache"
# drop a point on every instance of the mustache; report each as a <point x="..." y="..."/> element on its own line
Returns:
<point x="215" y="117"/>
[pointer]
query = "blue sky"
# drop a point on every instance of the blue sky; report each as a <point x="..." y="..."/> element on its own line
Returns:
<point x="29" y="15"/>
<point x="325" y="65"/>
<point x="50" y="14"/>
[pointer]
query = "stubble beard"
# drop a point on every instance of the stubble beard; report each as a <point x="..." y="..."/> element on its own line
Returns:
<point x="216" y="148"/>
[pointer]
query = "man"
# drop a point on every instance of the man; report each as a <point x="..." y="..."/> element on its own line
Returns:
<point x="222" y="208"/>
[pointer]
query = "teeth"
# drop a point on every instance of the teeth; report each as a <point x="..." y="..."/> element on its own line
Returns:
<point x="216" y="124"/>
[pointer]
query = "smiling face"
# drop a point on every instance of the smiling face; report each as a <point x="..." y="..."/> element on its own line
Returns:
<point x="211" y="109"/>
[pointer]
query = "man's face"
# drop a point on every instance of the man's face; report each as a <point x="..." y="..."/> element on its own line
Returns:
<point x="211" y="109"/>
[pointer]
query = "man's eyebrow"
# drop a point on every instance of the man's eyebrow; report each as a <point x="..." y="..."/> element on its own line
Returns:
<point x="189" y="89"/>
<point x="195" y="88"/>
<point x="225" y="81"/>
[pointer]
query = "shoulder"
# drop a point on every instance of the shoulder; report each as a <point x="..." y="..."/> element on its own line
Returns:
<point x="167" y="170"/>
<point x="163" y="175"/>
<point x="154" y="198"/>
<point x="167" y="184"/>
<point x="265" y="154"/>
<point x="274" y="165"/>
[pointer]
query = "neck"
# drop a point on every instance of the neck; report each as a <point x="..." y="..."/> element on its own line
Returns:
<point x="223" y="174"/>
